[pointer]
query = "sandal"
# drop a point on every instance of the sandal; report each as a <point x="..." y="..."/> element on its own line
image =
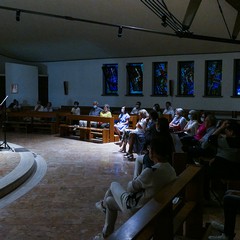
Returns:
<point x="122" y="150"/>
<point x="130" y="157"/>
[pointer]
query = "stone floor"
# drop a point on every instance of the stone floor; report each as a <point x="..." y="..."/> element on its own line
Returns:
<point x="62" y="205"/>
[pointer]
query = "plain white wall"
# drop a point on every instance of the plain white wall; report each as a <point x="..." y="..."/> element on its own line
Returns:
<point x="85" y="82"/>
<point x="26" y="77"/>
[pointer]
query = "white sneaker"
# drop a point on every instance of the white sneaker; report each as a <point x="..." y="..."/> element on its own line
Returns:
<point x="218" y="226"/>
<point x="220" y="237"/>
<point x="99" y="237"/>
<point x="99" y="206"/>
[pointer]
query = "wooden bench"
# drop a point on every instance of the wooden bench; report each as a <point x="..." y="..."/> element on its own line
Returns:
<point x="33" y="121"/>
<point x="88" y="133"/>
<point x="160" y="218"/>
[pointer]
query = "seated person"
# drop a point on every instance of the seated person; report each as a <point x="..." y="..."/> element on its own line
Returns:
<point x="136" y="109"/>
<point x="231" y="206"/>
<point x="95" y="110"/>
<point x="226" y="163"/>
<point x="48" y="107"/>
<point x="157" y="108"/>
<point x="38" y="107"/>
<point x="122" y="123"/>
<point x="162" y="130"/>
<point x="194" y="140"/>
<point x="76" y="109"/>
<point x="105" y="113"/>
<point x="178" y="123"/>
<point x="139" y="191"/>
<point x="168" y="109"/>
<point x="191" y="127"/>
<point x="135" y="138"/>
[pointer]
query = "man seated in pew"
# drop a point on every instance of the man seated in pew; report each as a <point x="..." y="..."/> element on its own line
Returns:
<point x="140" y="190"/>
<point x="95" y="110"/>
<point x="231" y="206"/>
<point x="122" y="122"/>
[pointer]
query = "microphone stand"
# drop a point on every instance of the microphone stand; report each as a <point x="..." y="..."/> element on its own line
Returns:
<point x="4" y="145"/>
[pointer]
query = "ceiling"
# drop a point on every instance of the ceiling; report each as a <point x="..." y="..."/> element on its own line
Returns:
<point x="57" y="30"/>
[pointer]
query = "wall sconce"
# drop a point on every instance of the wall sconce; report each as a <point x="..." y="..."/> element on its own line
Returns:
<point x="18" y="13"/>
<point x="120" y="30"/>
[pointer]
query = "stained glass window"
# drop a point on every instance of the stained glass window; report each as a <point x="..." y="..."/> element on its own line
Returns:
<point x="213" y="84"/>
<point x="160" y="78"/>
<point x="236" y="84"/>
<point x="135" y="78"/>
<point x="186" y="78"/>
<point x="110" y="79"/>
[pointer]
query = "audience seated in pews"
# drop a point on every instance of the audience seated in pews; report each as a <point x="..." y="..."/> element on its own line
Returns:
<point x="179" y="121"/>
<point x="122" y="122"/>
<point x="231" y="206"/>
<point x="135" y="138"/>
<point x="168" y="109"/>
<point x="140" y="190"/>
<point x="136" y="109"/>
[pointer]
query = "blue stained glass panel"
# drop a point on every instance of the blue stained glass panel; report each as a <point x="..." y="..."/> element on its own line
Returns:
<point x="110" y="79"/>
<point x="213" y="78"/>
<point x="236" y="90"/>
<point x="135" y="78"/>
<point x="160" y="78"/>
<point x="186" y="78"/>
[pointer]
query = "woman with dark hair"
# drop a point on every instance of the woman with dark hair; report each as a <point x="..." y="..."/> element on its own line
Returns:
<point x="156" y="107"/>
<point x="122" y="123"/>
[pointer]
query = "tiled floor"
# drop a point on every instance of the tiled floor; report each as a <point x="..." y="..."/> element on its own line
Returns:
<point x="61" y="206"/>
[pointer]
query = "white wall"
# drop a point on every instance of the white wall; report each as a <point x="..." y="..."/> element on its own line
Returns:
<point x="85" y="82"/>
<point x="26" y="77"/>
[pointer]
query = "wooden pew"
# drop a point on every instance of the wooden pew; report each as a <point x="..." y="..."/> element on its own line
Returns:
<point x="33" y="121"/>
<point x="89" y="133"/>
<point x="161" y="219"/>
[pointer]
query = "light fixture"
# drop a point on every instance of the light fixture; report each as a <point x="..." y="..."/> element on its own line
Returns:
<point x="120" y="30"/>
<point x="18" y="13"/>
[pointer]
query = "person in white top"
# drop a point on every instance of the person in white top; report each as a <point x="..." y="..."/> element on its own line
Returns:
<point x="39" y="107"/>
<point x="140" y="190"/>
<point x="168" y="109"/>
<point x="76" y="109"/>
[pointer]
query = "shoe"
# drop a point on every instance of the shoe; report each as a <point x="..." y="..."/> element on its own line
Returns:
<point x="220" y="237"/>
<point x="118" y="143"/>
<point x="99" y="237"/>
<point x="122" y="150"/>
<point x="126" y="155"/>
<point x="99" y="206"/>
<point x="130" y="157"/>
<point x="218" y="226"/>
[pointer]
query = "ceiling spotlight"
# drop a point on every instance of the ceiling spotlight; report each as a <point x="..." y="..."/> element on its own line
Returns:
<point x="164" y="21"/>
<point x="120" y="30"/>
<point x="18" y="12"/>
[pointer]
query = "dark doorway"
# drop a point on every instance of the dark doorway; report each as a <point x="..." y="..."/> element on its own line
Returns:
<point x="43" y="89"/>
